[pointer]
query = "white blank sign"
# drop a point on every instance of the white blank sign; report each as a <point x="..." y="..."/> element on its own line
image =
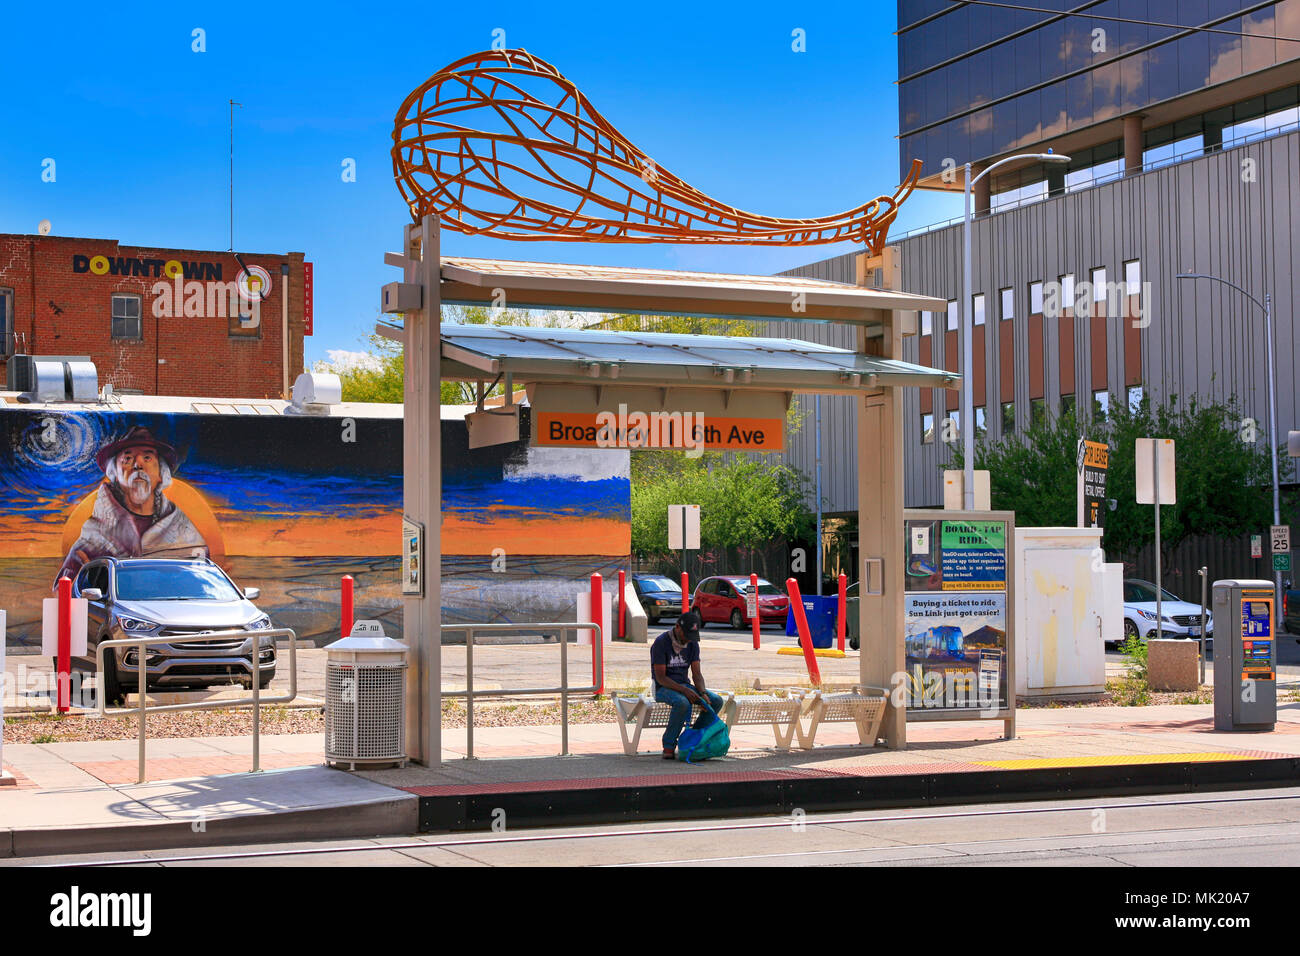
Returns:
<point x="692" y="529"/>
<point x="50" y="627"/>
<point x="1164" y="449"/>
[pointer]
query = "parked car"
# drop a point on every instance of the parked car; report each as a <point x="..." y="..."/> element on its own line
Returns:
<point x="1180" y="618"/>
<point x="153" y="597"/>
<point x="1290" y="609"/>
<point x="721" y="599"/>
<point x="660" y="596"/>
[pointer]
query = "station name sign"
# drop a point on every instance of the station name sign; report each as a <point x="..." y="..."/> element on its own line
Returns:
<point x="635" y="429"/>
<point x="691" y="419"/>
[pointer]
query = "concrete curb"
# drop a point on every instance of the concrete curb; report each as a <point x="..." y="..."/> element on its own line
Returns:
<point x="847" y="792"/>
<point x="395" y="816"/>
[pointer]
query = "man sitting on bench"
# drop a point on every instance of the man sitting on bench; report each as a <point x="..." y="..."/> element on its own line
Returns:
<point x="670" y="655"/>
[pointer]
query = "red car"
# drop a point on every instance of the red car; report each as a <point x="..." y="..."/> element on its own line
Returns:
<point x="722" y="598"/>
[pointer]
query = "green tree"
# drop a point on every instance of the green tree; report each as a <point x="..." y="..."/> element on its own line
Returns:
<point x="742" y="501"/>
<point x="1223" y="473"/>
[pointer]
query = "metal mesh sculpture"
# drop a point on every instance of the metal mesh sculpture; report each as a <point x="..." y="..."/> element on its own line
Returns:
<point x="501" y="144"/>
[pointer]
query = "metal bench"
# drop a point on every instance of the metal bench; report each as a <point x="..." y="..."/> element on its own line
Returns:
<point x="644" y="711"/>
<point x="863" y="705"/>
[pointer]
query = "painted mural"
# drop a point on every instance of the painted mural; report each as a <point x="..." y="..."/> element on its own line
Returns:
<point x="290" y="504"/>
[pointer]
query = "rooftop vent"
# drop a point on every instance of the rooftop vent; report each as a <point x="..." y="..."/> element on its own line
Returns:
<point x="53" y="378"/>
<point x="314" y="393"/>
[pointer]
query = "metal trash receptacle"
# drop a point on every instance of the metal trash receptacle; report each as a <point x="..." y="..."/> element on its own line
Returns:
<point x="365" y="700"/>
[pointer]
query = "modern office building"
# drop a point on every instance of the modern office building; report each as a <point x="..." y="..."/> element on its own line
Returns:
<point x="1184" y="156"/>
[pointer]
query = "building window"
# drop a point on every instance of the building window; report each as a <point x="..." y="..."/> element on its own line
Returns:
<point x="126" y="317"/>
<point x="1133" y="289"/>
<point x="1135" y="394"/>
<point x="1035" y="298"/>
<point x="1008" y="417"/>
<point x="977" y="308"/>
<point x="7" y="344"/>
<point x="1099" y="288"/>
<point x="951" y="325"/>
<point x="927" y="429"/>
<point x="1037" y="411"/>
<point x="954" y="416"/>
<point x="981" y="422"/>
<point x="1008" y="304"/>
<point x="1067" y="292"/>
<point x="927" y="323"/>
<point x="1100" y="405"/>
<point x="1068" y="405"/>
<point x="1133" y="277"/>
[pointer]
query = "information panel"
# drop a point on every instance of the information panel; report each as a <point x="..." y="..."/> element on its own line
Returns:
<point x="955" y="608"/>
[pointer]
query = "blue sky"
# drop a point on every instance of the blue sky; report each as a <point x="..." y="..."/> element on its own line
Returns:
<point x="137" y="122"/>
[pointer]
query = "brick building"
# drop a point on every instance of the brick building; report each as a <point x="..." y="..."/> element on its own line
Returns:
<point x="158" y="321"/>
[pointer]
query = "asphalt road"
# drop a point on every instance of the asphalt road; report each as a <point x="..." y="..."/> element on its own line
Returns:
<point x="1245" y="828"/>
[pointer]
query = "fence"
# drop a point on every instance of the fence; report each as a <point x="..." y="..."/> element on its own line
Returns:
<point x="255" y="701"/>
<point x="563" y="628"/>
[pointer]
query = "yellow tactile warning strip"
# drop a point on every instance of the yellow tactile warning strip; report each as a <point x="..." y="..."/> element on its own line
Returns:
<point x="1108" y="760"/>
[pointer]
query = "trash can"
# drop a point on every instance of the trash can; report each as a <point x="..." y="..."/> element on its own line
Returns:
<point x="365" y="700"/>
<point x="820" y="612"/>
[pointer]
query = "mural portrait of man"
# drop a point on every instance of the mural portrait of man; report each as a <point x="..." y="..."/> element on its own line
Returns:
<point x="132" y="518"/>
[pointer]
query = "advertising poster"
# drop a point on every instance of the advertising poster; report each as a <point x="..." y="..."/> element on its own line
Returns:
<point x="955" y="613"/>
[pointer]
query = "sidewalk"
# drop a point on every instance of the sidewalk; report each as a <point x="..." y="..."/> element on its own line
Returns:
<point x="80" y="797"/>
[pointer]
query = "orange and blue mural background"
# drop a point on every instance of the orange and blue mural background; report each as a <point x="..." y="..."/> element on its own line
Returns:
<point x="285" y="504"/>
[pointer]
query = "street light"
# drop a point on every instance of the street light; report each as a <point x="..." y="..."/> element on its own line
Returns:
<point x="1267" y="306"/>
<point x="967" y="336"/>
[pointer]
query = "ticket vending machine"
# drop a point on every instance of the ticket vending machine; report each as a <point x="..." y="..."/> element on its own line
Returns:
<point x="1245" y="655"/>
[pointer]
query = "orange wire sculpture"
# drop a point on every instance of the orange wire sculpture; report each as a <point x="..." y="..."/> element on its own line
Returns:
<point x="500" y="144"/>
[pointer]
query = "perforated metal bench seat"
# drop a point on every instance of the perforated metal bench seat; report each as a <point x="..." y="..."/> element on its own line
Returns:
<point x="749" y="709"/>
<point x="863" y="706"/>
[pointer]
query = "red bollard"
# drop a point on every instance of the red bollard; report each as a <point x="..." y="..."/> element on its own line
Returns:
<point x="753" y="586"/>
<point x="347" y="605"/>
<point x="686" y="594"/>
<point x="622" y="603"/>
<point x="597" y="652"/>
<point x="65" y="644"/>
<point x="843" y="621"/>
<point x="805" y="639"/>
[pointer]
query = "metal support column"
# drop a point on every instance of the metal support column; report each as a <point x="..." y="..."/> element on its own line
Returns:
<point x="422" y="491"/>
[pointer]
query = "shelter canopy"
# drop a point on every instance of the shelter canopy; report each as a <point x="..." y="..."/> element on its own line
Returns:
<point x="666" y="292"/>
<point x="476" y="352"/>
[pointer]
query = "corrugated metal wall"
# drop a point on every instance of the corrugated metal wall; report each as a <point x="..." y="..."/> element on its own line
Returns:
<point x="1235" y="214"/>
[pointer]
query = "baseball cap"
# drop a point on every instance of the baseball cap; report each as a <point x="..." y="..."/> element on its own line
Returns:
<point x="690" y="622"/>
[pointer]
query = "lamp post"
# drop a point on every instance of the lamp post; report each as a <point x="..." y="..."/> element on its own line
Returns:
<point x="1267" y="307"/>
<point x="967" y="320"/>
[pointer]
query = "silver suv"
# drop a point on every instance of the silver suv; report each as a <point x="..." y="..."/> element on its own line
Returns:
<point x="153" y="597"/>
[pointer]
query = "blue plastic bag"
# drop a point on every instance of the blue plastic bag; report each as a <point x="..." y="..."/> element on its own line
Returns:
<point x="711" y="740"/>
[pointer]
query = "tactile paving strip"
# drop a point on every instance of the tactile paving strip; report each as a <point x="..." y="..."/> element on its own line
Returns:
<point x="1118" y="760"/>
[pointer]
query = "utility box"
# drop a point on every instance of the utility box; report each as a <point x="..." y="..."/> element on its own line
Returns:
<point x="1062" y="612"/>
<point x="1245" y="655"/>
<point x="365" y="698"/>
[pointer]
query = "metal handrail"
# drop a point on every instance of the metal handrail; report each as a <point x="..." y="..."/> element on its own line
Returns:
<point x="256" y="701"/>
<point x="563" y="627"/>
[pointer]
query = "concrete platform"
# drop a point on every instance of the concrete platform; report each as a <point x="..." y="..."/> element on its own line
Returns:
<point x="81" y="798"/>
<point x="1058" y="753"/>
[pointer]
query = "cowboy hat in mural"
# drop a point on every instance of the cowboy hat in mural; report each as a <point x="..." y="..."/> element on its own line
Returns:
<point x="132" y="518"/>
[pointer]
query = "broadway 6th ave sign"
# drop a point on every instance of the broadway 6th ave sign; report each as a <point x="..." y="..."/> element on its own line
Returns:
<point x="689" y="419"/>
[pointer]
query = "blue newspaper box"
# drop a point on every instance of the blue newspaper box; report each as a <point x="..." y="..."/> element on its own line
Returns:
<point x="820" y="612"/>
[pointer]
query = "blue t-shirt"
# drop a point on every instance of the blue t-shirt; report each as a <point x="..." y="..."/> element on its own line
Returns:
<point x="678" y="665"/>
